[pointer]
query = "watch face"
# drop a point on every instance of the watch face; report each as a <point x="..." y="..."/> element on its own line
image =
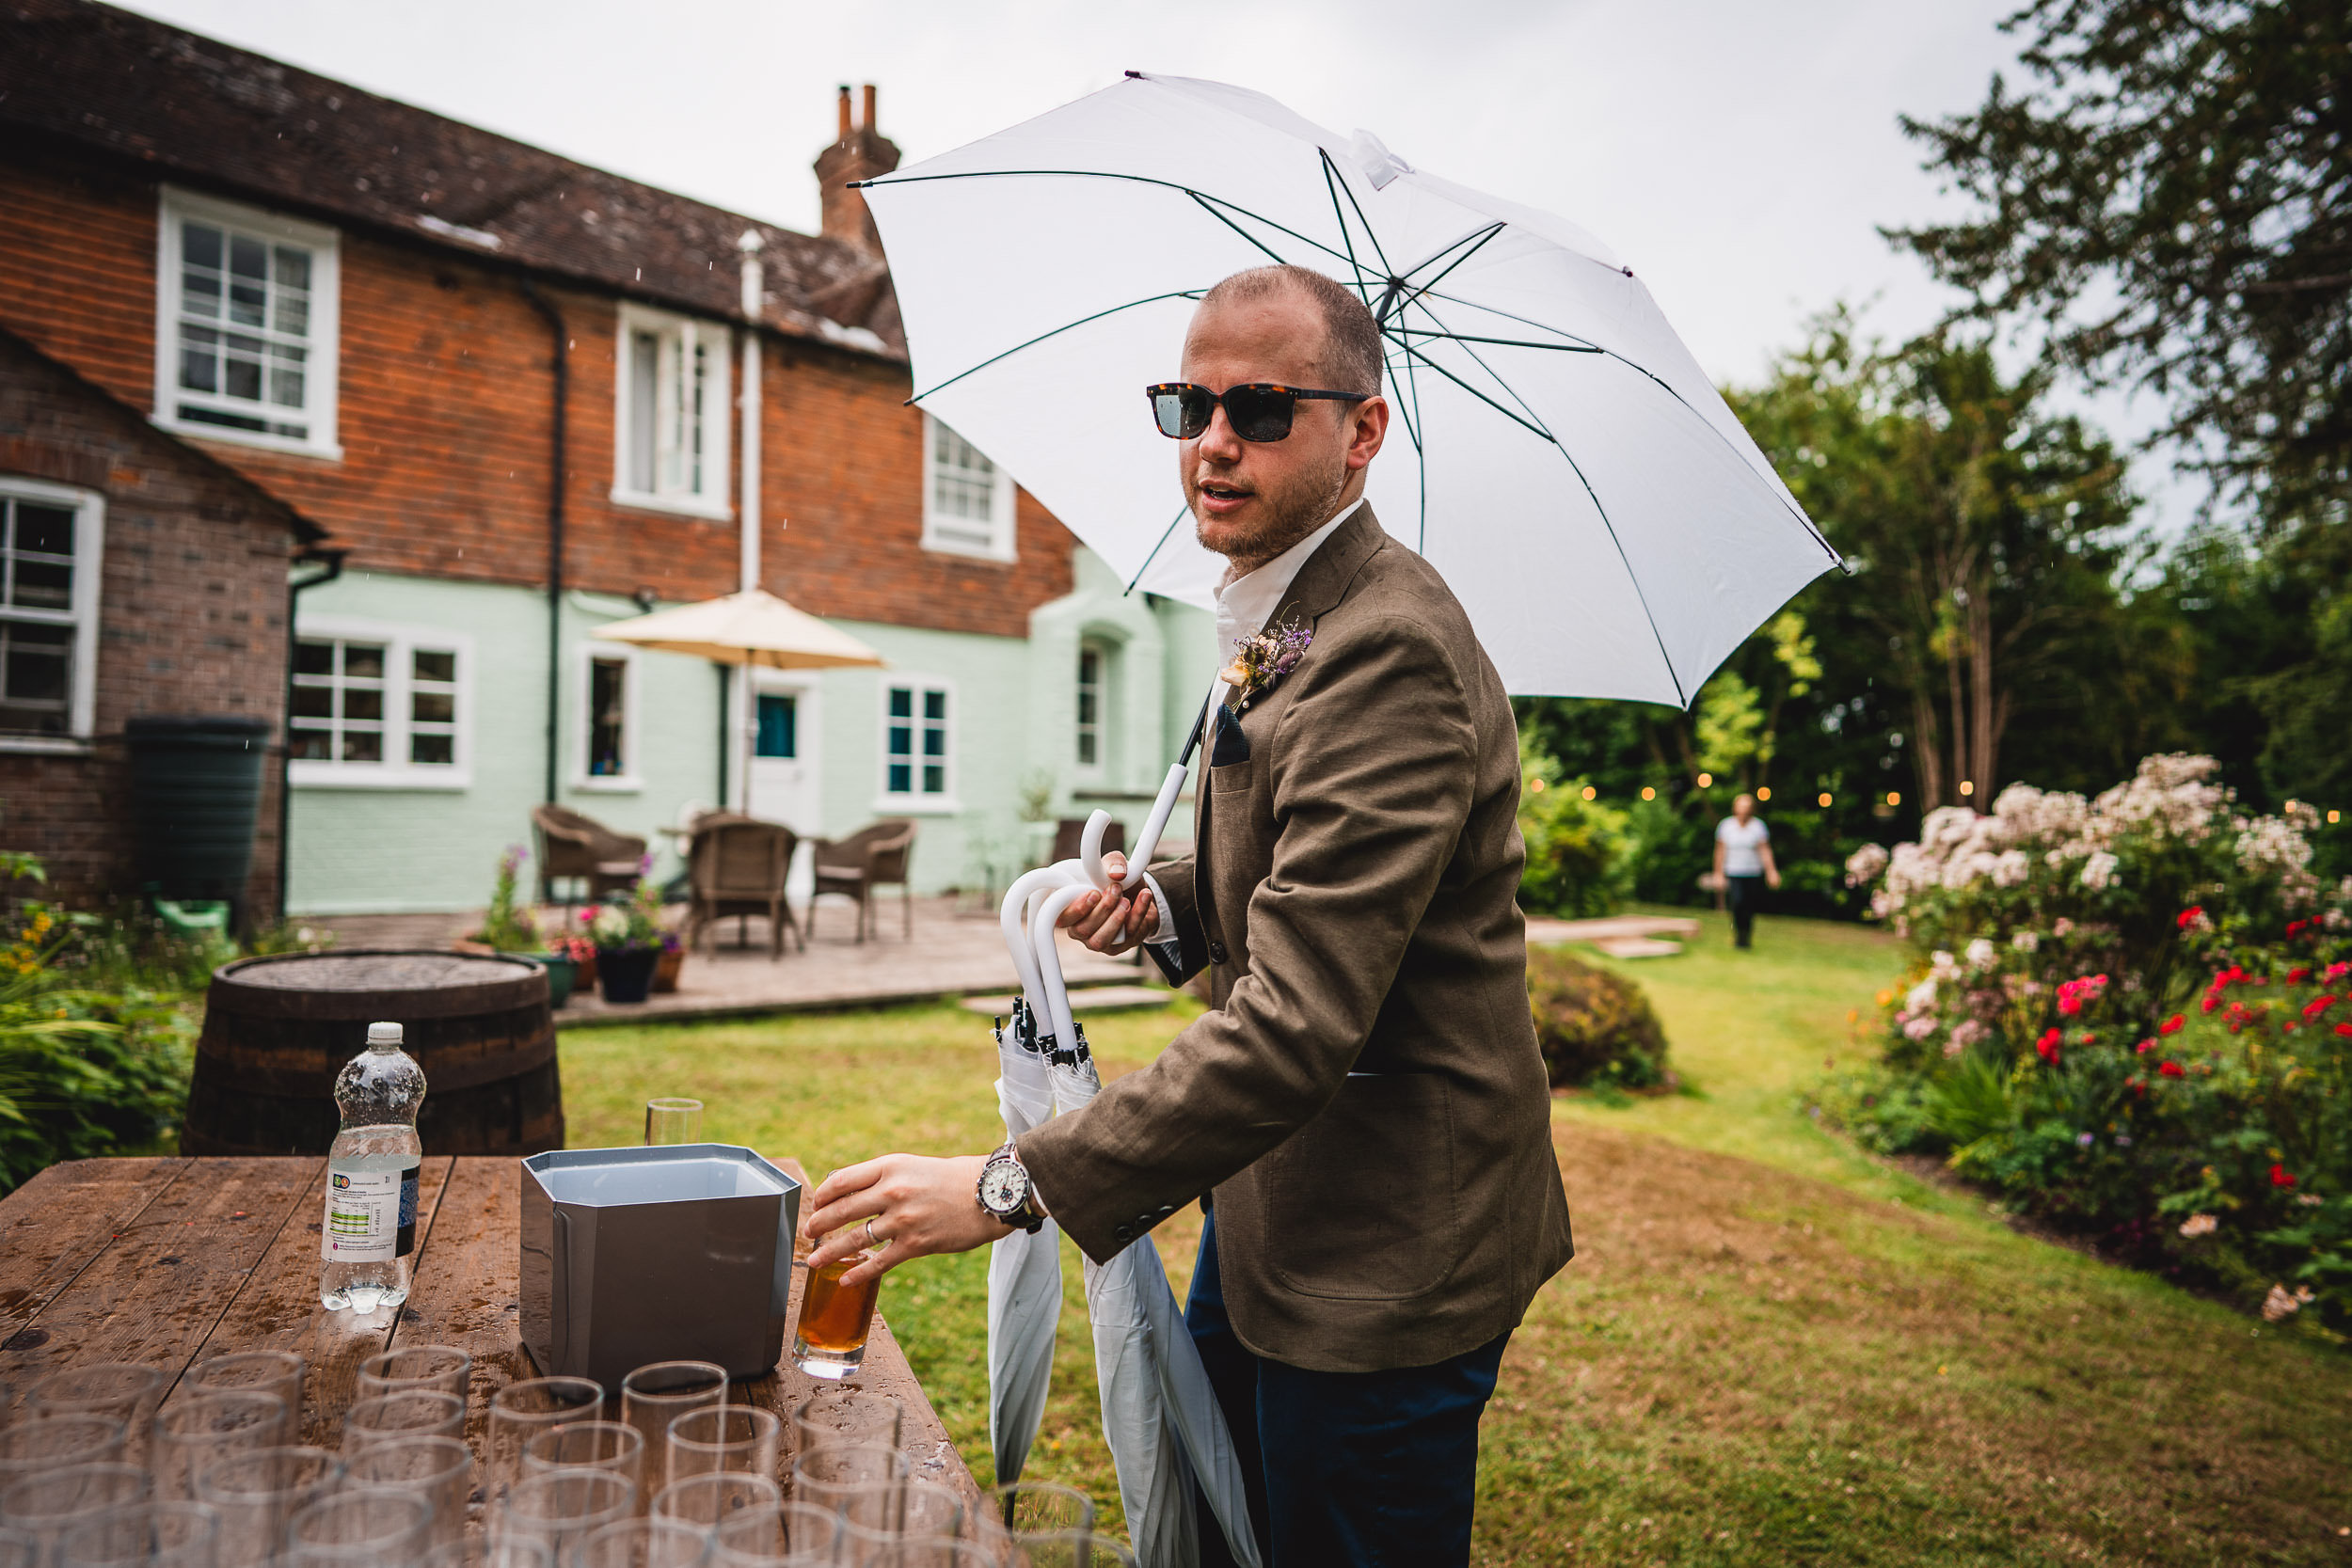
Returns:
<point x="1004" y="1186"/>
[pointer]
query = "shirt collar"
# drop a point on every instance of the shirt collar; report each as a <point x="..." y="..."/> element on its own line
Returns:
<point x="1243" y="603"/>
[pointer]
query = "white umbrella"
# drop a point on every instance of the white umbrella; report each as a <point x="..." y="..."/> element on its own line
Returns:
<point x="747" y="629"/>
<point x="1557" y="452"/>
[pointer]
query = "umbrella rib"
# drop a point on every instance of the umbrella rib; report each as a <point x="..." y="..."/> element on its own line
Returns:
<point x="1531" y="428"/>
<point x="1210" y="207"/>
<point x="1388" y="268"/>
<point x="1476" y="239"/>
<point x="1165" y="534"/>
<point x="1330" y="185"/>
<point x="1421" y="453"/>
<point x="1577" y="468"/>
<point x="1506" y="342"/>
<point x="1066" y="326"/>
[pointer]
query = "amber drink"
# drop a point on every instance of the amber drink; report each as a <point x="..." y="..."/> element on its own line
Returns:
<point x="830" y="1340"/>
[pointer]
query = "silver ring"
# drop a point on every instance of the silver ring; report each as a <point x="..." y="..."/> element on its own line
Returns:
<point x="876" y="1242"/>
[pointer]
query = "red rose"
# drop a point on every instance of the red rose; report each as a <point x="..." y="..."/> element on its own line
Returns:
<point x="2346" y="1030"/>
<point x="2145" y="1046"/>
<point x="2188" y="918"/>
<point x="2281" y="1177"/>
<point x="2169" y="1070"/>
<point x="2047" y="1047"/>
<point x="2171" y="1025"/>
<point x="2317" y="1005"/>
<point x="2297" y="976"/>
<point x="2212" y="1000"/>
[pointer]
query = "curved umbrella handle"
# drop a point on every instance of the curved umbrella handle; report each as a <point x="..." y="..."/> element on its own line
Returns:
<point x="1140" y="856"/>
<point x="1013" y="921"/>
<point x="1049" y="960"/>
<point x="1090" y="848"/>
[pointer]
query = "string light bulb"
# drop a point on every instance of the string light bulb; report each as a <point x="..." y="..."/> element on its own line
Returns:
<point x="1707" y="781"/>
<point x="1764" y="792"/>
<point x="1894" y="797"/>
<point x="1824" y="797"/>
<point x="1535" y="786"/>
<point x="1649" y="793"/>
<point x="1590" y="793"/>
<point x="1966" y="787"/>
<point x="2334" y="818"/>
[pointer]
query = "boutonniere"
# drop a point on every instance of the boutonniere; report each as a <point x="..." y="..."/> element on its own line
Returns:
<point x="1260" y="661"/>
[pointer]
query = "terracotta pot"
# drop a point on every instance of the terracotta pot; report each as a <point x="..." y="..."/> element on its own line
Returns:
<point x="665" y="973"/>
<point x="625" y="974"/>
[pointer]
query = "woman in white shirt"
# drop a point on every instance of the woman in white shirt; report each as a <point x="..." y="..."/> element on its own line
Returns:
<point x="1744" y="864"/>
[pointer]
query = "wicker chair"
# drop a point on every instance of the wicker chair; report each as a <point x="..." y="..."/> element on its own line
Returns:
<point x="1070" y="830"/>
<point x="736" y="866"/>
<point x="874" y="856"/>
<point x="572" y="845"/>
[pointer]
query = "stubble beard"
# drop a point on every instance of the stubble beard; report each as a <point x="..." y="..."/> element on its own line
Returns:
<point x="1291" y="515"/>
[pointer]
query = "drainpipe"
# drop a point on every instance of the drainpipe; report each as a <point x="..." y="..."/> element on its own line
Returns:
<point x="747" y="701"/>
<point x="330" y="566"/>
<point x="560" y="383"/>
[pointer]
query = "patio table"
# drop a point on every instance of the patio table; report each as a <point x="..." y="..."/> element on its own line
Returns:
<point x="171" y="1261"/>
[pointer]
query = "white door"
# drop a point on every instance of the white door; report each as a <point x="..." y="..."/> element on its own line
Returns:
<point x="784" y="772"/>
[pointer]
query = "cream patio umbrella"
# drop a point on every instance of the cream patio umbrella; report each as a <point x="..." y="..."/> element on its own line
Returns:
<point x="746" y="628"/>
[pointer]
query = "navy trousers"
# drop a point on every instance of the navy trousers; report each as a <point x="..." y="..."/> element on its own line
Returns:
<point x="1745" y="896"/>
<point x="1364" y="1468"/>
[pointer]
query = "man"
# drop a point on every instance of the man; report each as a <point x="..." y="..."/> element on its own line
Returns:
<point x="1743" y="865"/>
<point x="1364" y="1111"/>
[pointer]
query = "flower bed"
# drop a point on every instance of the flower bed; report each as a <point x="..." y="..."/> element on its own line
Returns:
<point x="2133" y="1017"/>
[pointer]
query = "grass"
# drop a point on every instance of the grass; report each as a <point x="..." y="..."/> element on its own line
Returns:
<point x="1771" y="1348"/>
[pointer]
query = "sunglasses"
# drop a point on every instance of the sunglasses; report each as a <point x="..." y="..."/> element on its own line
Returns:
<point x="1258" y="411"/>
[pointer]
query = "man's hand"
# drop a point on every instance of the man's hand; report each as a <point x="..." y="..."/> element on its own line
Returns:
<point x="1771" y="880"/>
<point x="1109" y="922"/>
<point x="918" y="1206"/>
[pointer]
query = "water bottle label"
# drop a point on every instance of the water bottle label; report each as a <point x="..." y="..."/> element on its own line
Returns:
<point x="371" y="1215"/>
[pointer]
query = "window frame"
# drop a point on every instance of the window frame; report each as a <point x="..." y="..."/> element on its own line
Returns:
<point x="1084" y="771"/>
<point x="323" y="370"/>
<point x="89" y="565"/>
<point x="915" y="802"/>
<point x="715" y="500"/>
<point x="1004" y="522"/>
<point x="401" y="641"/>
<point x="628" y="781"/>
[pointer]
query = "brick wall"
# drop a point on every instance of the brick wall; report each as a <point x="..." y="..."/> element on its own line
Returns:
<point x="445" y="425"/>
<point x="192" y="618"/>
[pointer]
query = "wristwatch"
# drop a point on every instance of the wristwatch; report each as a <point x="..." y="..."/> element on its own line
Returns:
<point x="1006" y="1194"/>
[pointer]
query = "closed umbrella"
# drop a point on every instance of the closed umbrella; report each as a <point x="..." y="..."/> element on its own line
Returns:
<point x="746" y="628"/>
<point x="1557" y="454"/>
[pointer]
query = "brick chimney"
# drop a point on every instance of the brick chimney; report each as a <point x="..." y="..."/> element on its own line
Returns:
<point x="861" y="153"/>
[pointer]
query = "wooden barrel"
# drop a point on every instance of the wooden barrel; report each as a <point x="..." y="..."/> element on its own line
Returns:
<point x="277" y="1029"/>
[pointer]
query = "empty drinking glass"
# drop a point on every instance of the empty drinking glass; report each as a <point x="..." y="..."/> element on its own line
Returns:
<point x="190" y="1434"/>
<point x="642" y="1544"/>
<point x="360" y="1530"/>
<point x="1040" y="1508"/>
<point x="674" y="1121"/>
<point x="861" y="1481"/>
<point x="28" y="1447"/>
<point x="737" y="1437"/>
<point x="653" y="1396"/>
<point x="711" y="1500"/>
<point x="439" y="1469"/>
<point x="521" y="1409"/>
<point x="613" y="1446"/>
<point x="482" y="1551"/>
<point x="256" y="1493"/>
<point x="559" y="1507"/>
<point x="18" y="1549"/>
<point x="124" y="1389"/>
<point x="256" y="1372"/>
<point x="797" y="1532"/>
<point x="440" y="1369"/>
<point x="46" y="1505"/>
<point x="147" y="1535"/>
<point x="840" y="1415"/>
<point x="421" y="1413"/>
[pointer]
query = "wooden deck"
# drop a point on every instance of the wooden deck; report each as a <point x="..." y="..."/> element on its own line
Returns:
<point x="168" y="1262"/>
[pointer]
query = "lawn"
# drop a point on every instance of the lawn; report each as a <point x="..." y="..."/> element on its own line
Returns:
<point x="1769" y="1349"/>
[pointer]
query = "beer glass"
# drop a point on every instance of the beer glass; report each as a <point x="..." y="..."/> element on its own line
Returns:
<point x="360" y="1530"/>
<point x="642" y="1544"/>
<point x="256" y="1493"/>
<point x="613" y="1446"/>
<point x="257" y="1371"/>
<point x="738" y="1439"/>
<point x="520" y="1409"/>
<point x="419" y="1413"/>
<point x="786" y="1537"/>
<point x="829" y="1342"/>
<point x="559" y="1507"/>
<point x="653" y="1396"/>
<point x="30" y="1446"/>
<point x="439" y="1469"/>
<point x="47" y="1505"/>
<point x="863" y="1483"/>
<point x="847" y="1414"/>
<point x="124" y="1389"/>
<point x="674" y="1121"/>
<point x="191" y="1433"/>
<point x="149" y="1535"/>
<point x="435" y="1369"/>
<point x="711" y="1500"/>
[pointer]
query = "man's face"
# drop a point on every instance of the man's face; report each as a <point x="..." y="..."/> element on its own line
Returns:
<point x="1253" y="499"/>
<point x="1743" y="807"/>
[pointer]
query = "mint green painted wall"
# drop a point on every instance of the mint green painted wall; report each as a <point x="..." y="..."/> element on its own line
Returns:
<point x="1012" y="713"/>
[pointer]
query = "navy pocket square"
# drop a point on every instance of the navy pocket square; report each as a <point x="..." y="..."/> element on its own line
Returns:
<point x="1232" y="744"/>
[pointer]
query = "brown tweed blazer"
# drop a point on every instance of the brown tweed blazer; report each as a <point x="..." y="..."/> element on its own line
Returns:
<point x="1366" y="1104"/>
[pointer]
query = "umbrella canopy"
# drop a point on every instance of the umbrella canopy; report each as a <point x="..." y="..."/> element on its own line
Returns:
<point x="1556" y="452"/>
<point x="750" y="627"/>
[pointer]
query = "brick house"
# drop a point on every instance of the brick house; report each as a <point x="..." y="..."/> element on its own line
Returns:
<point x="130" y="554"/>
<point x="528" y="397"/>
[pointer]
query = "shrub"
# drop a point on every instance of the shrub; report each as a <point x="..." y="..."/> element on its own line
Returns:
<point x="507" y="925"/>
<point x="1577" y="859"/>
<point x="2134" y="1017"/>
<point x="1595" y="1028"/>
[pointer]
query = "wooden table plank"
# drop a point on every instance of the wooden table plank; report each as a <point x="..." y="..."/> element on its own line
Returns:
<point x="469" y="1286"/>
<point x="54" y="1224"/>
<point x="279" y="1309"/>
<point x="153" y="1294"/>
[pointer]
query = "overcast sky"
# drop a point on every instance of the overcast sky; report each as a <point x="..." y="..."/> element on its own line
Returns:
<point x="1738" y="156"/>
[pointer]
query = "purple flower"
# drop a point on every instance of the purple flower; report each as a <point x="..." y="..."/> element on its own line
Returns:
<point x="2085" y="1140"/>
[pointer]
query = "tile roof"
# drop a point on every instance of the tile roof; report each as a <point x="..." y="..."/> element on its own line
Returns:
<point x="213" y="115"/>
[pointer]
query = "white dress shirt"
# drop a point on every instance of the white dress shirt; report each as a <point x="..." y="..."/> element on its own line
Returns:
<point x="1243" y="605"/>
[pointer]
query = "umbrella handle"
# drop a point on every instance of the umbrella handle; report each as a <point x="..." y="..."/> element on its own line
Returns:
<point x="1140" y="856"/>
<point x="1049" y="959"/>
<point x="1012" y="920"/>
<point x="1090" y="848"/>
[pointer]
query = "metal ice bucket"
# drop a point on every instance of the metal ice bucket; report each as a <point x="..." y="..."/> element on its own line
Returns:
<point x="631" y="1256"/>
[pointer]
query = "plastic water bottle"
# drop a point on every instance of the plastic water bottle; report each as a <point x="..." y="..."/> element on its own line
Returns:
<point x="369" y="1233"/>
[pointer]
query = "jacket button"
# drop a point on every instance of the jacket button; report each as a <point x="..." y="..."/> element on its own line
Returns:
<point x="1216" y="951"/>
<point x="1123" y="1233"/>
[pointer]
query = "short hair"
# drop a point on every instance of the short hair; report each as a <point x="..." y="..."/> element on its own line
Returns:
<point x="1352" y="357"/>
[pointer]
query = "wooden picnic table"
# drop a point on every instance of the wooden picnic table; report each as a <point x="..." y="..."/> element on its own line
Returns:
<point x="169" y="1262"/>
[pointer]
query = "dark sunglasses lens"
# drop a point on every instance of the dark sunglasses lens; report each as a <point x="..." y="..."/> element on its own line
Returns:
<point x="1259" y="413"/>
<point x="1182" y="415"/>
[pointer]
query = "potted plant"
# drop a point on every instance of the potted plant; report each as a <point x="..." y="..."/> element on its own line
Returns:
<point x="665" y="972"/>
<point x="628" y="934"/>
<point x="508" y="930"/>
